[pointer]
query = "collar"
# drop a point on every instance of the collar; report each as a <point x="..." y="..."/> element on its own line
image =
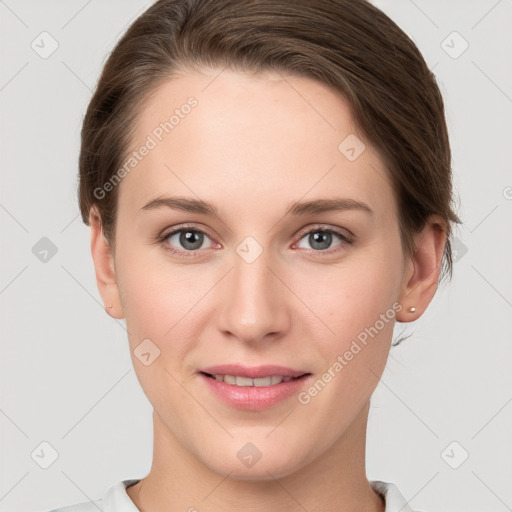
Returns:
<point x="116" y="498"/>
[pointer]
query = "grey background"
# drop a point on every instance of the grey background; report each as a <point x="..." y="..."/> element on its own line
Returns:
<point x="66" y="374"/>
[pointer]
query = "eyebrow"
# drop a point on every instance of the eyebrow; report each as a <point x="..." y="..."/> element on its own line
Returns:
<point x="296" y="208"/>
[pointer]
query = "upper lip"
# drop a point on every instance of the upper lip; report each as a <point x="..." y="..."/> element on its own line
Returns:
<point x="252" y="372"/>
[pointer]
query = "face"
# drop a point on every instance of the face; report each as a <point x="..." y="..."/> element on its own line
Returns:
<point x="260" y="282"/>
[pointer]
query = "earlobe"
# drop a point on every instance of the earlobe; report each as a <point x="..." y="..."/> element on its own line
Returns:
<point x="103" y="259"/>
<point x="422" y="271"/>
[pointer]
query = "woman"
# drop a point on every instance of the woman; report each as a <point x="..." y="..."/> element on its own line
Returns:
<point x="268" y="188"/>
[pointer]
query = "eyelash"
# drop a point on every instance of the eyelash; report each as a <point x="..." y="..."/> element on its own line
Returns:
<point x="193" y="254"/>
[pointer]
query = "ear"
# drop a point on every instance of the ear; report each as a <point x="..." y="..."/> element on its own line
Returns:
<point x="104" y="267"/>
<point x="422" y="270"/>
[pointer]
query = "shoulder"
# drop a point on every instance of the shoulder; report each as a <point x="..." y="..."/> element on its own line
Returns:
<point x="395" y="501"/>
<point x="115" y="499"/>
<point x="87" y="506"/>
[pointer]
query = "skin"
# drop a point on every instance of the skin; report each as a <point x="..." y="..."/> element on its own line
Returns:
<point x="254" y="144"/>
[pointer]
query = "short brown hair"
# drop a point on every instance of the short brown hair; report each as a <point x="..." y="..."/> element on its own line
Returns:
<point x="349" y="45"/>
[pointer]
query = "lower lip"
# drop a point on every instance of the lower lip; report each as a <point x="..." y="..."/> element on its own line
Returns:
<point x="254" y="398"/>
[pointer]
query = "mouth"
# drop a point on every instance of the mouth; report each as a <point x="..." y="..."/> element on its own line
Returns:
<point x="241" y="381"/>
<point x="253" y="388"/>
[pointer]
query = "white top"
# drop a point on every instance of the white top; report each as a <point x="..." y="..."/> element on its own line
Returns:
<point x="117" y="500"/>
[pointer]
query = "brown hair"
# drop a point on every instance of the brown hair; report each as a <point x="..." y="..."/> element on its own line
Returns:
<point x="350" y="45"/>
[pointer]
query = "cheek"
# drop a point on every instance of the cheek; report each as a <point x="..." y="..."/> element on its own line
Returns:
<point x="155" y="291"/>
<point x="164" y="302"/>
<point x="149" y="295"/>
<point x="359" y="309"/>
<point x="158" y="305"/>
<point x="351" y="297"/>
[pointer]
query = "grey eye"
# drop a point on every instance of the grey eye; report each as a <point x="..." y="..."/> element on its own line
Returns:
<point x="187" y="239"/>
<point x="320" y="239"/>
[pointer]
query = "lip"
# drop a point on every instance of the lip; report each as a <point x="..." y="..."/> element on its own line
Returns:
<point x="253" y="398"/>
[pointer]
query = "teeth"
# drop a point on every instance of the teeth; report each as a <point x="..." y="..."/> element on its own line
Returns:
<point x="229" y="379"/>
<point x="277" y="380"/>
<point x="246" y="381"/>
<point x="266" y="381"/>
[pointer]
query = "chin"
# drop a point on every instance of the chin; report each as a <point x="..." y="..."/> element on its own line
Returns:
<point x="261" y="473"/>
<point x="266" y="468"/>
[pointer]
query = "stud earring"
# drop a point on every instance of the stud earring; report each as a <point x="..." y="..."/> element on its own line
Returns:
<point x="411" y="309"/>
<point x="109" y="306"/>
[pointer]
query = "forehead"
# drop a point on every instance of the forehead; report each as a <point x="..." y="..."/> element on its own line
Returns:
<point x="225" y="135"/>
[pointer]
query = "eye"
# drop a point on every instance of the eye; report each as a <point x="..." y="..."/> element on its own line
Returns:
<point x="185" y="240"/>
<point x="321" y="239"/>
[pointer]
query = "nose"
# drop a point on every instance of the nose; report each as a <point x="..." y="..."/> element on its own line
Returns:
<point x="254" y="302"/>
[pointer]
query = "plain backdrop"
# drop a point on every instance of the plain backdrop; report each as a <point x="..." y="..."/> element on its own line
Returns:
<point x="440" y="420"/>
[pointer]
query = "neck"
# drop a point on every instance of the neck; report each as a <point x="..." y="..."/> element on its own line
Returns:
<point x="335" y="482"/>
